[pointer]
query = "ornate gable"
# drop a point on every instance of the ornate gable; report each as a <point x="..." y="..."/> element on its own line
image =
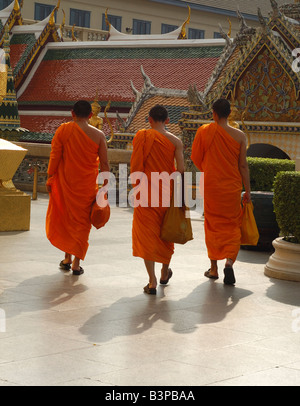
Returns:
<point x="256" y="73"/>
<point x="269" y="88"/>
<point x="287" y="27"/>
<point x="45" y="31"/>
<point x="10" y="17"/>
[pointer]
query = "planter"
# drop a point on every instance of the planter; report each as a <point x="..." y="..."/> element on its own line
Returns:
<point x="285" y="262"/>
<point x="265" y="220"/>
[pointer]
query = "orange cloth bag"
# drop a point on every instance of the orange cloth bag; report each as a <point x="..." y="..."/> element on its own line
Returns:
<point x="177" y="227"/>
<point x="249" y="231"/>
<point x="99" y="215"/>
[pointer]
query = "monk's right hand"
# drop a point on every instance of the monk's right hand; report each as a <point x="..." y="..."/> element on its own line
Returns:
<point x="247" y="197"/>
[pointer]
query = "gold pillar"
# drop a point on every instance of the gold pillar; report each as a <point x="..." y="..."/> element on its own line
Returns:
<point x="14" y="204"/>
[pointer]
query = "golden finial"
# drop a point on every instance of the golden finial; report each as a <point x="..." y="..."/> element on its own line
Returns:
<point x="183" y="29"/>
<point x="16" y="6"/>
<point x="244" y="125"/>
<point x="3" y="65"/>
<point x="106" y="19"/>
<point x="230" y="25"/>
<point x="74" y="39"/>
<point x="63" y="23"/>
<point x="234" y="115"/>
<point x="52" y="16"/>
<point x="109" y="123"/>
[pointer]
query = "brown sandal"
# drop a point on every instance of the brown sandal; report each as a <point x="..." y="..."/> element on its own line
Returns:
<point x="229" y="278"/>
<point x="208" y="275"/>
<point x="64" y="267"/>
<point x="78" y="272"/>
<point x="170" y="274"/>
<point x="149" y="291"/>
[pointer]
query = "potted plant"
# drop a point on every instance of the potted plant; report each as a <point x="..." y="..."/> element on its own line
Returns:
<point x="284" y="263"/>
<point x="262" y="175"/>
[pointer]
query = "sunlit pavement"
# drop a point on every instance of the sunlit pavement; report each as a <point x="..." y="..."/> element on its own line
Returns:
<point x="101" y="329"/>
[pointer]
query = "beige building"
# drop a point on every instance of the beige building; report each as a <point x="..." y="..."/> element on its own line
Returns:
<point x="149" y="16"/>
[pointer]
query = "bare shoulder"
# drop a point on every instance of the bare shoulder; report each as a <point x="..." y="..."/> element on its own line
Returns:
<point x="95" y="134"/>
<point x="174" y="139"/>
<point x="237" y="134"/>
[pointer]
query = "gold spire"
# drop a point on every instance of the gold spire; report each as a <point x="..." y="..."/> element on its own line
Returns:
<point x="62" y="24"/>
<point x="52" y="16"/>
<point x="183" y="29"/>
<point x="16" y="6"/>
<point x="3" y="75"/>
<point x="106" y="19"/>
<point x="230" y="25"/>
<point x="74" y="39"/>
<point x="109" y="123"/>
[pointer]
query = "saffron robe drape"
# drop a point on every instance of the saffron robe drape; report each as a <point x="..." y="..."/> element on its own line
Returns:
<point x="73" y="168"/>
<point x="216" y="153"/>
<point x="152" y="152"/>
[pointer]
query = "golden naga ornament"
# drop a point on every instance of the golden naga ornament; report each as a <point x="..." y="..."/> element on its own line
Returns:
<point x="95" y="120"/>
<point x="109" y="123"/>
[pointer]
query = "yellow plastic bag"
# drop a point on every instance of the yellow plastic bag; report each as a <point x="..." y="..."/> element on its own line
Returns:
<point x="177" y="226"/>
<point x="250" y="234"/>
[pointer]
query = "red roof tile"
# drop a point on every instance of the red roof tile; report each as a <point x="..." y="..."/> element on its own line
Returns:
<point x="70" y="80"/>
<point x="42" y="124"/>
<point x="49" y="124"/>
<point x="16" y="52"/>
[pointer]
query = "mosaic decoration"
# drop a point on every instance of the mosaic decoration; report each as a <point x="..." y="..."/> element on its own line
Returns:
<point x="255" y="73"/>
<point x="268" y="90"/>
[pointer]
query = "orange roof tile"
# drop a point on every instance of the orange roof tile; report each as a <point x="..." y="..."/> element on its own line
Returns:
<point x="16" y="52"/>
<point x="49" y="124"/>
<point x="66" y="75"/>
<point x="71" y="80"/>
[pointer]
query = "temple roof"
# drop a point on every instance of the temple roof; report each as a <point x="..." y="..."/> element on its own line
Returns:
<point x="135" y="71"/>
<point x="68" y="71"/>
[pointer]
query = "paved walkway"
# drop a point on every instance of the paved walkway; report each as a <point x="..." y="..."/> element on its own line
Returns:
<point x="101" y="329"/>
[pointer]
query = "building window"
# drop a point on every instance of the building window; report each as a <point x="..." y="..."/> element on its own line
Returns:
<point x="115" y="21"/>
<point x="141" y="27"/>
<point x="80" y="18"/>
<point x="196" y="34"/>
<point x="4" y="4"/>
<point x="42" y="11"/>
<point x="217" y="35"/>
<point x="165" y="28"/>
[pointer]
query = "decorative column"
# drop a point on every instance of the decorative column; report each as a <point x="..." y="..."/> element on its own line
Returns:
<point x="14" y="204"/>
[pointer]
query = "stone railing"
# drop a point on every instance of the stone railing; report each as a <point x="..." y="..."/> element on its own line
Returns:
<point x="80" y="33"/>
<point x="38" y="156"/>
<point x="83" y="34"/>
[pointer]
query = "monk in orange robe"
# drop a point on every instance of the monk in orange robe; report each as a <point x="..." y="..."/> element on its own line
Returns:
<point x="72" y="183"/>
<point x="154" y="151"/>
<point x="219" y="151"/>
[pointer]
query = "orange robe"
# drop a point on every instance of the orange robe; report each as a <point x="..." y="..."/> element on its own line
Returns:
<point x="152" y="152"/>
<point x="74" y="167"/>
<point x="216" y="153"/>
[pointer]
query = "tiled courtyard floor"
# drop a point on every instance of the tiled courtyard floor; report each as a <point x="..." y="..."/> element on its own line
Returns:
<point x="101" y="329"/>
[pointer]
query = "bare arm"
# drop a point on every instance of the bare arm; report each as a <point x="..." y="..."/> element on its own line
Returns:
<point x="102" y="152"/>
<point x="55" y="156"/>
<point x="244" y="170"/>
<point x="179" y="156"/>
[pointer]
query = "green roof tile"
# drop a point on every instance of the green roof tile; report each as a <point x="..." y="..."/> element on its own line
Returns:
<point x="135" y="53"/>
